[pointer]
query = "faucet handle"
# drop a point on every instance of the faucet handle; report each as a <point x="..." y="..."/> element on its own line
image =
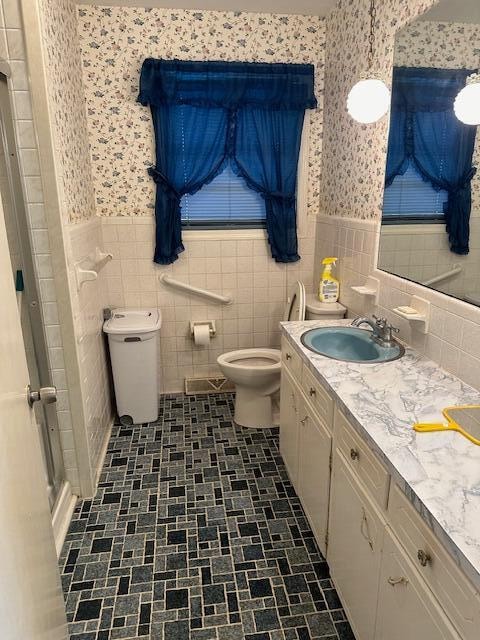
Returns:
<point x="385" y="329"/>
<point x="388" y="329"/>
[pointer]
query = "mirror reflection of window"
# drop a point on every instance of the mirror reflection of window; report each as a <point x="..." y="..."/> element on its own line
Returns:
<point x="427" y="140"/>
<point x="431" y="211"/>
<point x="410" y="198"/>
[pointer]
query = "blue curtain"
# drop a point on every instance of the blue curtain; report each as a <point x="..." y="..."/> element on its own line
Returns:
<point x="206" y="114"/>
<point x="425" y="131"/>
<point x="190" y="150"/>
<point x="266" y="155"/>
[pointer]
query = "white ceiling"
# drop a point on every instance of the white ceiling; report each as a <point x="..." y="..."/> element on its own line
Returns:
<point x="302" y="7"/>
<point x="454" y="11"/>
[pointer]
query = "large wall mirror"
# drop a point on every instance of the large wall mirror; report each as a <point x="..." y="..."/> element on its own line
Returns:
<point x="431" y="208"/>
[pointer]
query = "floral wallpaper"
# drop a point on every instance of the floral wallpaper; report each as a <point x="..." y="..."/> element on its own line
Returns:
<point x="67" y="107"/>
<point x="114" y="42"/>
<point x="447" y="45"/>
<point x="354" y="154"/>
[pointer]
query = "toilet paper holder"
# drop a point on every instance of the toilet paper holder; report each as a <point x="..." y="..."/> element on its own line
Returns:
<point x="211" y="325"/>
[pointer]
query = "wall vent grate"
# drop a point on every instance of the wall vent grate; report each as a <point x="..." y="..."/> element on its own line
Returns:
<point x="208" y="385"/>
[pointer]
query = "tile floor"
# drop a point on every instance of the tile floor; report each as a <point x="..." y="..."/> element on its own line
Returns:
<point x="196" y="533"/>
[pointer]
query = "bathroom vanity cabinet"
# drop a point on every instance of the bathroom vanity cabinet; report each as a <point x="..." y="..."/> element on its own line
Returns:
<point x="306" y="445"/>
<point x="355" y="547"/>
<point x="396" y="580"/>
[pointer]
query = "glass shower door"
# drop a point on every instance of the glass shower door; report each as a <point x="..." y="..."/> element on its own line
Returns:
<point x="27" y="295"/>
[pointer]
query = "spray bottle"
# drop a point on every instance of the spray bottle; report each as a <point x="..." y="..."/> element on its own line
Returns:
<point x="329" y="287"/>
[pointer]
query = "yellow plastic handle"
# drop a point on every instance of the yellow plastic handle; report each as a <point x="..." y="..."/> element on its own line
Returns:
<point x="425" y="427"/>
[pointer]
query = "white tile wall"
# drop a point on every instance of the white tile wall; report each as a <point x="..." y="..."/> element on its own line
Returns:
<point x="422" y="251"/>
<point x="454" y="335"/>
<point x="88" y="304"/>
<point x="242" y="268"/>
<point x="12" y="49"/>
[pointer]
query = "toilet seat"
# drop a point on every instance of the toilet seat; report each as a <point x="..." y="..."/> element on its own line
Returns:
<point x="296" y="301"/>
<point x="261" y="360"/>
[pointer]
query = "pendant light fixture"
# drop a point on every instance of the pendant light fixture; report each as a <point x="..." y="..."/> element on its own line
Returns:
<point x="467" y="102"/>
<point x="369" y="98"/>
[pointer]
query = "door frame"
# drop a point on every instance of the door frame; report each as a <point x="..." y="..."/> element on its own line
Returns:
<point x="85" y="483"/>
<point x="31" y="294"/>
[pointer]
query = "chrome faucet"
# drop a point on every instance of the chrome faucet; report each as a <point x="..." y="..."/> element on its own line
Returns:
<point x="382" y="330"/>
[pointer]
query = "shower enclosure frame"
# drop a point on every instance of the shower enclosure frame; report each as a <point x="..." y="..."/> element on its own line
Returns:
<point x="50" y="435"/>
<point x="82" y="477"/>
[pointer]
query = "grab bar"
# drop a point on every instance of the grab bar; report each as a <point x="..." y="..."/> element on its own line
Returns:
<point x="203" y="293"/>
<point x="444" y="276"/>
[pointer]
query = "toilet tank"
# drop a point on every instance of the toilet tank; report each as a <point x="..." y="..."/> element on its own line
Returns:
<point x="316" y="310"/>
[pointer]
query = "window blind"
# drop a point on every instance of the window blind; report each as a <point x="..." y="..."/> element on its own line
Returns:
<point x="410" y="197"/>
<point x="224" y="202"/>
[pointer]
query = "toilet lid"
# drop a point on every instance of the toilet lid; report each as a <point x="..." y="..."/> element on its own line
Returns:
<point x="295" y="309"/>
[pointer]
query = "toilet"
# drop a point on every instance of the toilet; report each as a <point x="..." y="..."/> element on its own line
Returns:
<point x="256" y="372"/>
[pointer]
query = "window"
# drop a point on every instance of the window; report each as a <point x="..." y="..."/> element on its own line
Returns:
<point x="205" y="113"/>
<point x="226" y="202"/>
<point x="411" y="199"/>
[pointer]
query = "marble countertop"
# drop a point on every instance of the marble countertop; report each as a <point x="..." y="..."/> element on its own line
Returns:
<point x="439" y="472"/>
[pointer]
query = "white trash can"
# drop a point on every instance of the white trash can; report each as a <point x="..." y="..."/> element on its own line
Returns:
<point x="133" y="342"/>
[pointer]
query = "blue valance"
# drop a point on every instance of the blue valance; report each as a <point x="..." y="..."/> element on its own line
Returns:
<point x="208" y="114"/>
<point x="229" y="85"/>
<point x="426" y="89"/>
<point x="425" y="131"/>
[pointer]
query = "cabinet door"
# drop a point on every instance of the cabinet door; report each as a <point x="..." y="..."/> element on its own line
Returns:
<point x="314" y="472"/>
<point x="406" y="606"/>
<point x="355" y="542"/>
<point x="289" y="399"/>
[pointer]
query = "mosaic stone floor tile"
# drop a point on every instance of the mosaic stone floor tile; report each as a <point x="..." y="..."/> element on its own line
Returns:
<point x="196" y="533"/>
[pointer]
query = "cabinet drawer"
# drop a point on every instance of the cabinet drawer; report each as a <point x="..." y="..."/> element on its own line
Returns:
<point x="457" y="596"/>
<point x="291" y="360"/>
<point x="362" y="461"/>
<point x="318" y="397"/>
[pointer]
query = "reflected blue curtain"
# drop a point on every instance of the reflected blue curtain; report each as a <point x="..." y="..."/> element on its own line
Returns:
<point x="425" y="131"/>
<point x="206" y="114"/>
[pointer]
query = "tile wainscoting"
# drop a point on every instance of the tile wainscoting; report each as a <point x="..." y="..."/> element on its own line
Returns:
<point x="453" y="339"/>
<point x="12" y="49"/>
<point x="241" y="267"/>
<point x="421" y="251"/>
<point x="87" y="306"/>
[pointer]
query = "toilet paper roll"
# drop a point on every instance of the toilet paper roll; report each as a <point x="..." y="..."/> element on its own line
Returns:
<point x="201" y="335"/>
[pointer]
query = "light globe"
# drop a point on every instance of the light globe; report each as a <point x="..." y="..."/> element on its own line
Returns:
<point x="368" y="100"/>
<point x="467" y="102"/>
